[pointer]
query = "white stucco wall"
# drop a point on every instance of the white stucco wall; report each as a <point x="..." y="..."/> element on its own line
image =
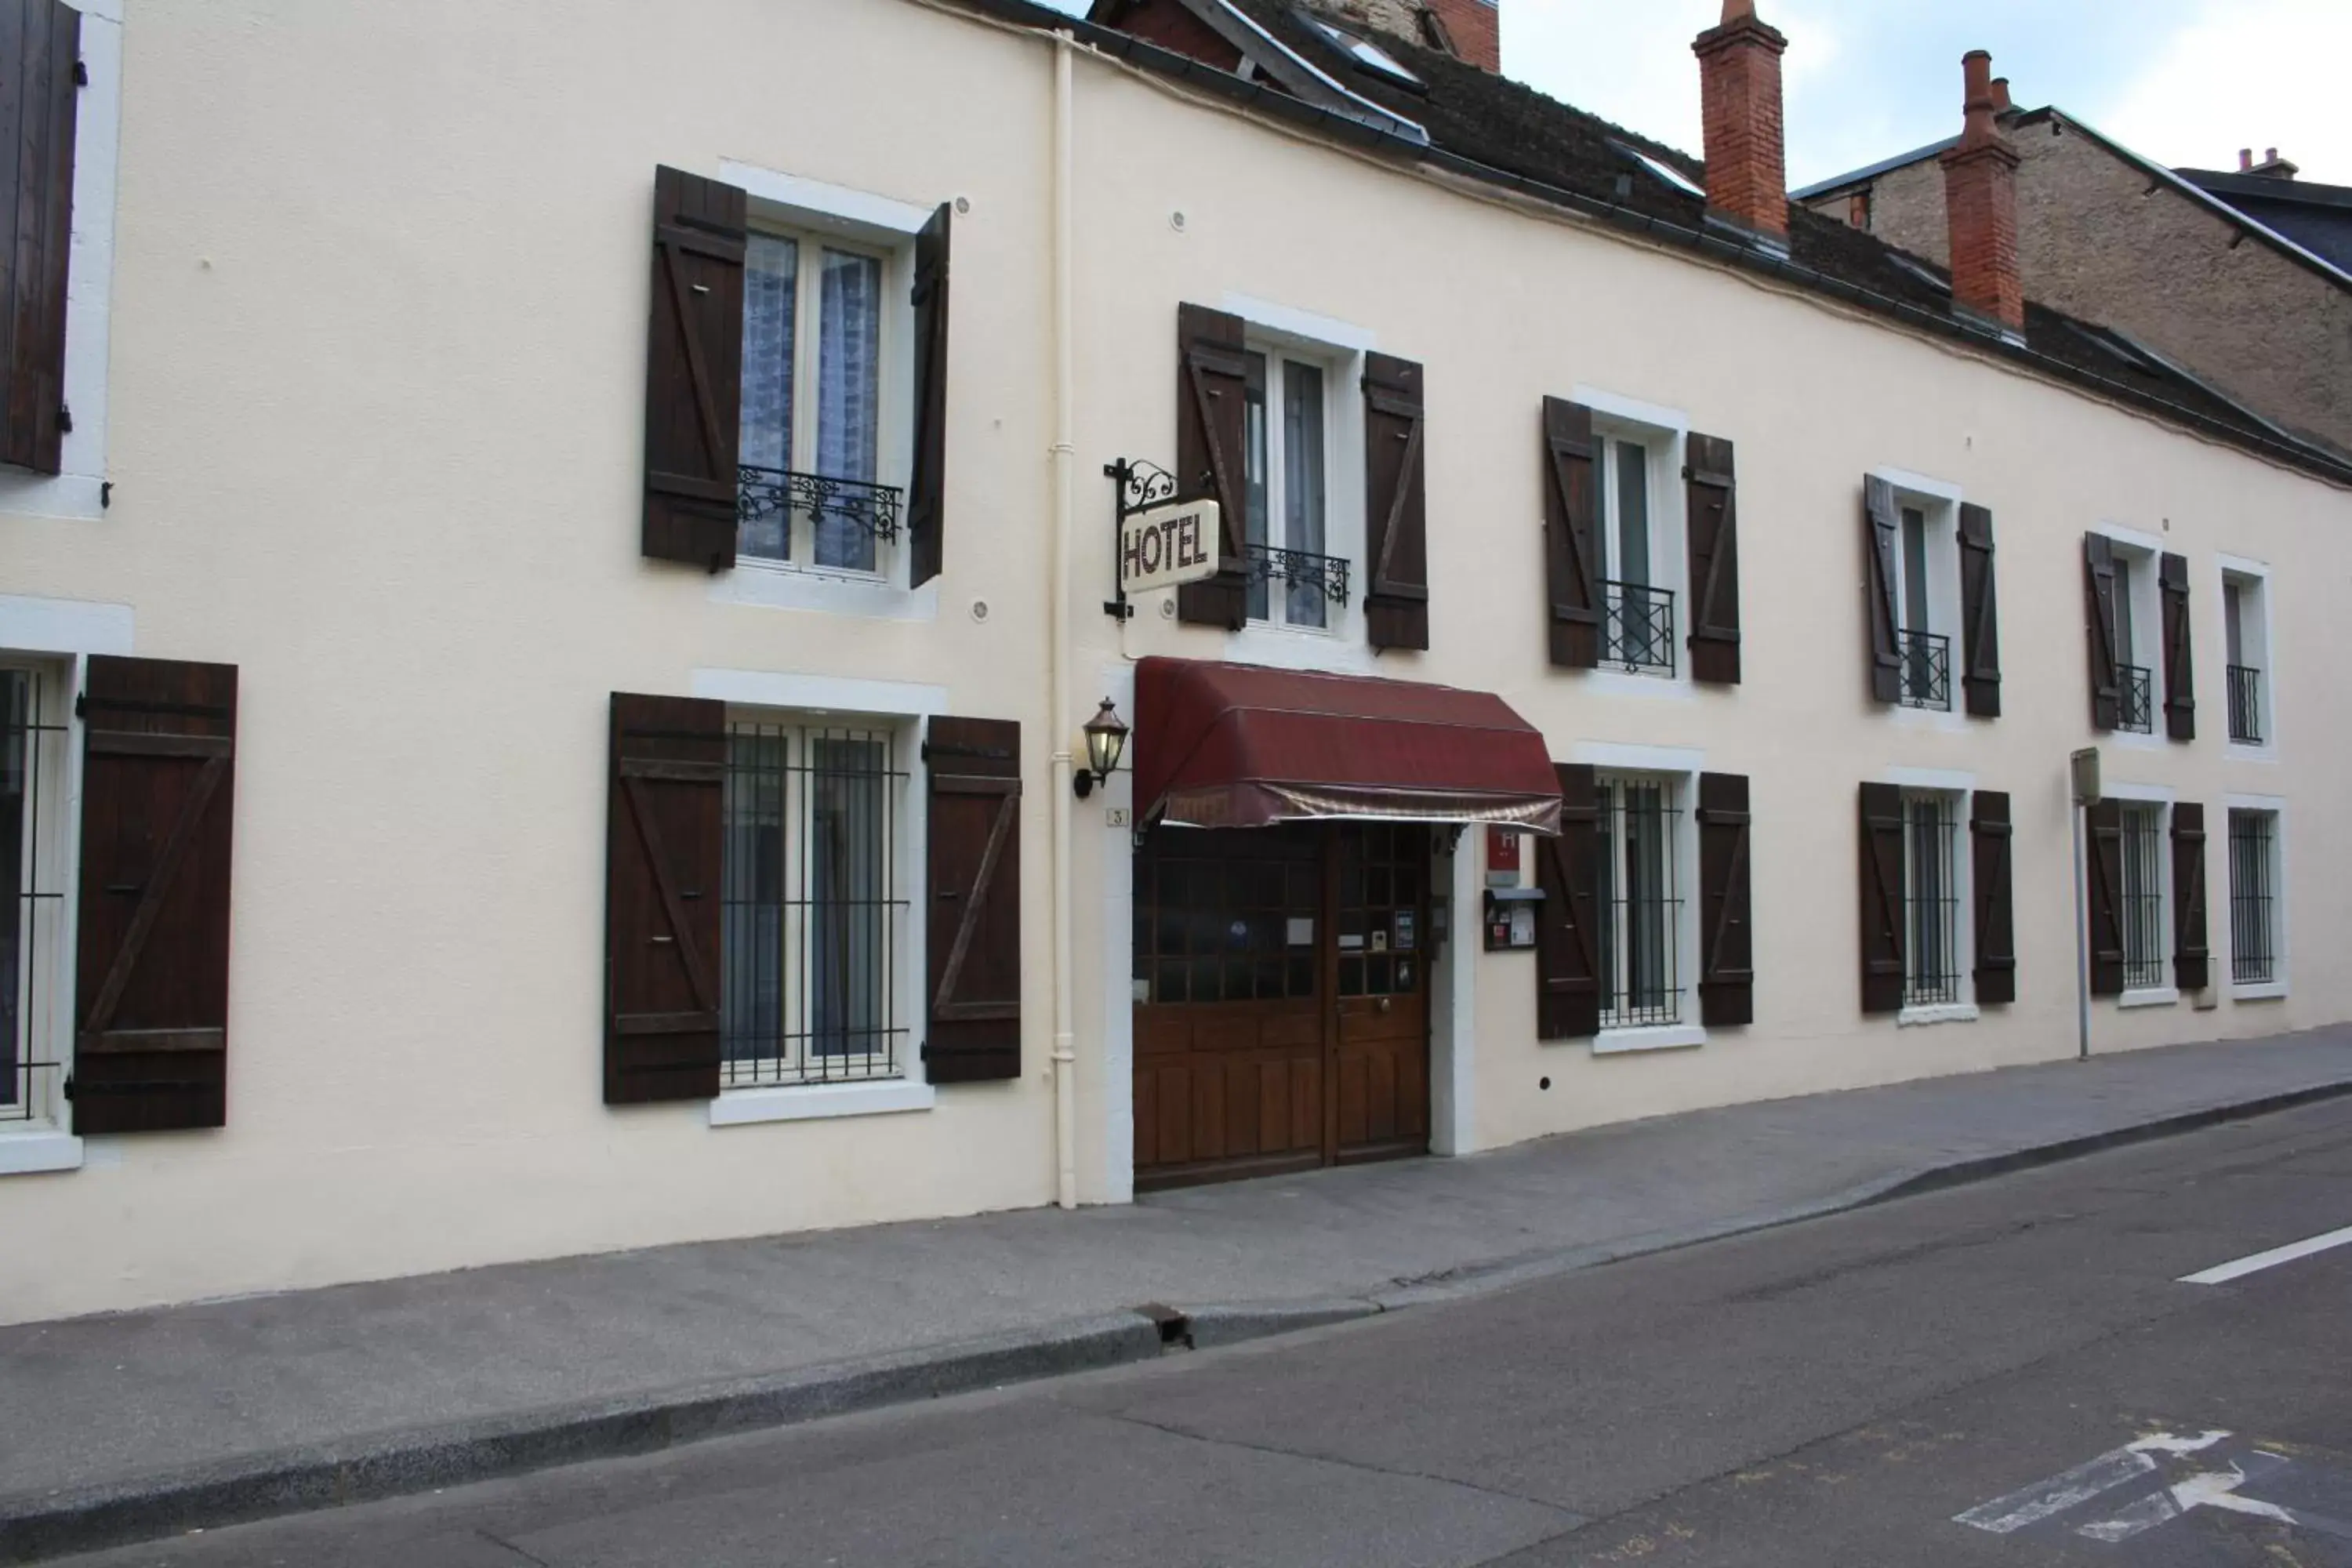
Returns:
<point x="377" y="369"/>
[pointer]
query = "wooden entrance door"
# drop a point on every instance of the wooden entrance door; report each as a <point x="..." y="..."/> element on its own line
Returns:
<point x="1281" y="999"/>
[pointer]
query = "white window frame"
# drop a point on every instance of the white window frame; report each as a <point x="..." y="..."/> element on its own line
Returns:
<point x="1939" y="503"/>
<point x="79" y="490"/>
<point x="2258" y="642"/>
<point x="892" y="465"/>
<point x="817" y="215"/>
<point x="1664" y="433"/>
<point x="2277" y="986"/>
<point x="1280" y="356"/>
<point x="1679" y="768"/>
<point x="2161" y="798"/>
<point x="1959" y="788"/>
<point x="829" y="701"/>
<point x="2141" y="554"/>
<point x="1339" y="348"/>
<point x="58" y="635"/>
<point x="45" y="1006"/>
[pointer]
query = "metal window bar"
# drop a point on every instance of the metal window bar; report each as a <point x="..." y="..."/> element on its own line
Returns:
<point x="1300" y="568"/>
<point x="813" y="922"/>
<point x="2253" y="932"/>
<point x="767" y="501"/>
<point x="32" y="747"/>
<point x="2136" y="706"/>
<point x="2143" y="899"/>
<point x="1931" y="900"/>
<point x="1638" y="629"/>
<point x="2245" y="704"/>
<point x="1926" y="669"/>
<point x="1641" y="905"/>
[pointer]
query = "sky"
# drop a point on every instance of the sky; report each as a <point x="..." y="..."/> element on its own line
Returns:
<point x="2181" y="82"/>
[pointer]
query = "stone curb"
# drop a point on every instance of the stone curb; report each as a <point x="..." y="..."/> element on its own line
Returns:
<point x="55" y="1522"/>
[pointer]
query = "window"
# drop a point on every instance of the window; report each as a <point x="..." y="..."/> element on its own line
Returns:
<point x="1641" y="902"/>
<point x="2254" y="896"/>
<point x="1227" y="915"/>
<point x="812" y="917"/>
<point x="35" y="924"/>
<point x="2142" y="916"/>
<point x="814" y="330"/>
<point x="1368" y="55"/>
<point x="2246" y="629"/>
<point x="1638" y="627"/>
<point x="1286" y="446"/>
<point x="1931" y="899"/>
<point x="2138" y="635"/>
<point x="1926" y="583"/>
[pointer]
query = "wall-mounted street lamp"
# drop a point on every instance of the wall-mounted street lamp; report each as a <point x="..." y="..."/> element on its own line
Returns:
<point x="1106" y="743"/>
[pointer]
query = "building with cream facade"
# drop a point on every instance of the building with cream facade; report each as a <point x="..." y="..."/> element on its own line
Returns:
<point x="549" y="624"/>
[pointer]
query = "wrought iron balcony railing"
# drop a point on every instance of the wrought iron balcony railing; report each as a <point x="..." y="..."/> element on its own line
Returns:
<point x="2135" y="699"/>
<point x="773" y="497"/>
<point x="2245" y="705"/>
<point x="1300" y="568"/>
<point x="1637" y="630"/>
<point x="1926" y="669"/>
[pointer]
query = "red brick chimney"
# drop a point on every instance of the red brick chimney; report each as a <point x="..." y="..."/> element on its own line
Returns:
<point x="1471" y="29"/>
<point x="1739" y="91"/>
<point x="1980" y="197"/>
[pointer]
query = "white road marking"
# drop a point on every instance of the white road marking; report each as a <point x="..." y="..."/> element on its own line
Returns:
<point x="2070" y="1489"/>
<point x="2212" y="1489"/>
<point x="2222" y="1274"/>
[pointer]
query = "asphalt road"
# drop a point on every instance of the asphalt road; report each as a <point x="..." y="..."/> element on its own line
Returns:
<point x="2009" y="1373"/>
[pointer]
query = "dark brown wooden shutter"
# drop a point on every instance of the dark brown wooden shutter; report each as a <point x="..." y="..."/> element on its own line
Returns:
<point x="1881" y="883"/>
<point x="972" y="929"/>
<point x="2099" y="618"/>
<point x="694" y="371"/>
<point x="40" y="52"/>
<point x="1979" y="616"/>
<point x="1881" y="517"/>
<point x="1996" y="924"/>
<point x="1712" y="497"/>
<point x="2103" y="897"/>
<point x="1726" y="985"/>
<point x="926" y="492"/>
<point x="2191" y="959"/>
<point x="1567" y="929"/>
<point x="2179" y="667"/>
<point x="1396" y="504"/>
<point x="1212" y="385"/>
<point x="1572" y="535"/>
<point x="158" y="794"/>
<point x="665" y="847"/>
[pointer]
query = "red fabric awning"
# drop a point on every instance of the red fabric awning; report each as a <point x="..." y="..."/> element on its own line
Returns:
<point x="1235" y="745"/>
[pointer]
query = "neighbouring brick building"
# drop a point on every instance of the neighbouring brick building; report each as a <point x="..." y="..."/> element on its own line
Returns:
<point x="2240" y="279"/>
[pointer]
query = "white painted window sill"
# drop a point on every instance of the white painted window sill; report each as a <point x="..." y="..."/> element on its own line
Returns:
<point x="2135" y="740"/>
<point x="1950" y="721"/>
<point x="2269" y="991"/>
<point x="779" y="586"/>
<point x="820" y="1101"/>
<point x="2160" y="996"/>
<point x="1654" y="1037"/>
<point x="1623" y="682"/>
<point x="1941" y="1012"/>
<point x="35" y="1151"/>
<point x="2236" y="752"/>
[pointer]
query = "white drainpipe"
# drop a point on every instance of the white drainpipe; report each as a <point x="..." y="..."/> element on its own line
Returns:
<point x="1058" y="612"/>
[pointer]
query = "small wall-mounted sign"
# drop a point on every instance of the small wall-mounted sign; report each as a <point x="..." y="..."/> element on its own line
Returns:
<point x="1117" y="816"/>
<point x="1168" y="545"/>
<point x="1502" y="857"/>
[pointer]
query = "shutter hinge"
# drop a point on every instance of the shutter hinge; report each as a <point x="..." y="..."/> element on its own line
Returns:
<point x="65" y="419"/>
<point x="81" y="73"/>
<point x="923" y="1053"/>
<point x="81" y="704"/>
<point x="67" y="1091"/>
<point x="105" y="494"/>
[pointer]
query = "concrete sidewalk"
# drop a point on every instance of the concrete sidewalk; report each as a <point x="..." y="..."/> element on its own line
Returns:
<point x="140" y="1424"/>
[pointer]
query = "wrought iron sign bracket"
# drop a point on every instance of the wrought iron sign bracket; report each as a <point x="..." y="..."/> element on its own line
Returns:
<point x="1139" y="485"/>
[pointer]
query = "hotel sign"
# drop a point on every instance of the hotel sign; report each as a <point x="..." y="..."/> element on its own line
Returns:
<point x="1167" y="545"/>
